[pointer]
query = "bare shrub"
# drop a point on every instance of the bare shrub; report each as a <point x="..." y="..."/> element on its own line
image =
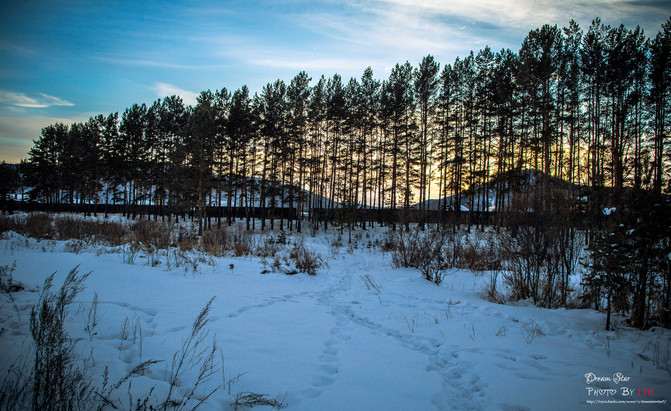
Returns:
<point x="542" y="247"/>
<point x="184" y="238"/>
<point x="113" y="233"/>
<point x="153" y="255"/>
<point x="241" y="249"/>
<point x="39" y="225"/>
<point x="530" y="331"/>
<point x="175" y="258"/>
<point x="267" y="247"/>
<point x="187" y="260"/>
<point x="281" y="263"/>
<point x="336" y="241"/>
<point x="481" y="255"/>
<point x="490" y="291"/>
<point x="388" y="242"/>
<point x="453" y="249"/>
<point x="422" y="250"/>
<point x="306" y="261"/>
<point x="540" y="260"/>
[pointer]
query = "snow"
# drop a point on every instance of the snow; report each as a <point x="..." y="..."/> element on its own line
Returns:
<point x="608" y="210"/>
<point x="359" y="335"/>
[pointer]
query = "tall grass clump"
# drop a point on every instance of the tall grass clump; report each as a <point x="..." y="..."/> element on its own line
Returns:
<point x="58" y="381"/>
<point x="305" y="260"/>
<point x="194" y="355"/>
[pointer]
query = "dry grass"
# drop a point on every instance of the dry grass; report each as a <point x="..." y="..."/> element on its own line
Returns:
<point x="59" y="380"/>
<point x="9" y="223"/>
<point x="92" y="231"/>
<point x="38" y="225"/>
<point x="151" y="232"/>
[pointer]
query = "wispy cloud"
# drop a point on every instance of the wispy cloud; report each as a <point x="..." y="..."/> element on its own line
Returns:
<point x="392" y="31"/>
<point x="443" y="27"/>
<point x="21" y="100"/>
<point x="165" y="90"/>
<point x="316" y="64"/>
<point x="16" y="49"/>
<point x="131" y="62"/>
<point x="524" y="15"/>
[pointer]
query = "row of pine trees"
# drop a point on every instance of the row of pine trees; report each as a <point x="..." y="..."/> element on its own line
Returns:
<point x="592" y="108"/>
<point x="589" y="107"/>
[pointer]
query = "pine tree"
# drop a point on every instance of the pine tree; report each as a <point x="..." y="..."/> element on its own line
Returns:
<point x="132" y="153"/>
<point x="426" y="87"/>
<point x="659" y="73"/>
<point x="298" y="95"/>
<point x="45" y="158"/>
<point x="199" y="148"/>
<point x="238" y="140"/>
<point x="9" y="183"/>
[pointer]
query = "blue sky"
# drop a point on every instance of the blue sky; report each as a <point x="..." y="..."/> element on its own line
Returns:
<point x="68" y="60"/>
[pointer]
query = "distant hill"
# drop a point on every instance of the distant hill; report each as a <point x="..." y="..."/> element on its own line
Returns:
<point x="509" y="184"/>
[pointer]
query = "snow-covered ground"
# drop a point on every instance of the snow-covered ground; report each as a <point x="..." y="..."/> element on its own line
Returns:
<point x="360" y="335"/>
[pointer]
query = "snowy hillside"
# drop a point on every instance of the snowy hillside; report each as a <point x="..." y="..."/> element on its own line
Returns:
<point x="360" y="335"/>
<point x="483" y="197"/>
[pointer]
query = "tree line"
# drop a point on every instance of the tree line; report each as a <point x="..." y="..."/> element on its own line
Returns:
<point x="592" y="108"/>
<point x="569" y="132"/>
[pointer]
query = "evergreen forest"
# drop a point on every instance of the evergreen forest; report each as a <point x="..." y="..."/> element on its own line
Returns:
<point x="560" y="145"/>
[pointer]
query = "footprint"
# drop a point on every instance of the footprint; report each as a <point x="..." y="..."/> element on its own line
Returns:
<point x="127" y="355"/>
<point x="329" y="356"/>
<point x="146" y="311"/>
<point x="506" y="366"/>
<point x="176" y="329"/>
<point x="312" y="393"/>
<point x="322" y="381"/>
<point x="328" y="369"/>
<point x="124" y="305"/>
